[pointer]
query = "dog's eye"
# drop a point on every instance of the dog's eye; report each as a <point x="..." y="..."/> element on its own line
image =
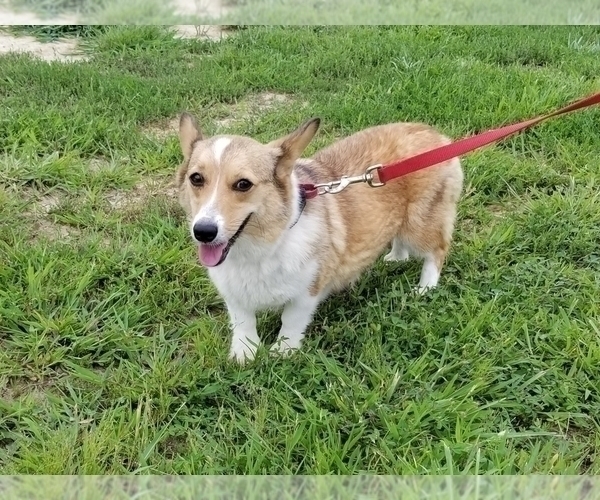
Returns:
<point x="197" y="179"/>
<point x="242" y="185"/>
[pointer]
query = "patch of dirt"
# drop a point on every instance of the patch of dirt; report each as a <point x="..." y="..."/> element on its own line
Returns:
<point x="101" y="163"/>
<point x="229" y="114"/>
<point x="59" y="50"/>
<point x="268" y="100"/>
<point x="45" y="204"/>
<point x="211" y="32"/>
<point x="42" y="225"/>
<point x="25" y="387"/>
<point x="250" y="106"/>
<point x="497" y="210"/>
<point x="507" y="209"/>
<point x="161" y="130"/>
<point x="54" y="232"/>
<point x="98" y="164"/>
<point x="141" y="193"/>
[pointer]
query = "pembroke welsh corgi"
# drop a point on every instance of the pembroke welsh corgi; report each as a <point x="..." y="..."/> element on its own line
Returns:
<point x="266" y="246"/>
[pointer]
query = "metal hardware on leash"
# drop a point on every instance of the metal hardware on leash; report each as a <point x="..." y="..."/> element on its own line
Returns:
<point x="335" y="187"/>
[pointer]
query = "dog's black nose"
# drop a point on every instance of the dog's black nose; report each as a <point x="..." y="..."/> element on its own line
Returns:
<point x="205" y="232"/>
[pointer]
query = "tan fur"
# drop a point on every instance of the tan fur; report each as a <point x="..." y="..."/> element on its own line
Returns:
<point x="419" y="208"/>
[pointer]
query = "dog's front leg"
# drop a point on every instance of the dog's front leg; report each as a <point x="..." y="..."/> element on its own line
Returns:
<point x="244" y="341"/>
<point x="297" y="314"/>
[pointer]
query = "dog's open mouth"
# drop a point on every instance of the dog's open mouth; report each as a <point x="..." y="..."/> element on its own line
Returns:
<point x="213" y="255"/>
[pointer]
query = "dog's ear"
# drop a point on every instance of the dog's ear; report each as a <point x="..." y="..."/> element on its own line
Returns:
<point x="293" y="145"/>
<point x="189" y="132"/>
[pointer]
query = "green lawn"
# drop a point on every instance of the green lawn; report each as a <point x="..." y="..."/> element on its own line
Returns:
<point x="113" y="355"/>
<point x="277" y="12"/>
<point x="409" y="11"/>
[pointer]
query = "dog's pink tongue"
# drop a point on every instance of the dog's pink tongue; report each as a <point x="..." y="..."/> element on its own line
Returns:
<point x="210" y="255"/>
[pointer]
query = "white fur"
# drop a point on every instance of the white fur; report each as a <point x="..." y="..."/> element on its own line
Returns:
<point x="209" y="212"/>
<point x="257" y="276"/>
<point x="430" y="275"/>
<point x="297" y="314"/>
<point x="399" y="252"/>
<point x="219" y="147"/>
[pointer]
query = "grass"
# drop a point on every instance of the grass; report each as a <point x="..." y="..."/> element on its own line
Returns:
<point x="414" y="12"/>
<point x="113" y="355"/>
<point x="53" y="32"/>
<point x="260" y="12"/>
<point x="532" y="487"/>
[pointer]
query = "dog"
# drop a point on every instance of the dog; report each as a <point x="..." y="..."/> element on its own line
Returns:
<point x="266" y="246"/>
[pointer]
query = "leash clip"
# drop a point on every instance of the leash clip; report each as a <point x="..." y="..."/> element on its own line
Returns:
<point x="335" y="187"/>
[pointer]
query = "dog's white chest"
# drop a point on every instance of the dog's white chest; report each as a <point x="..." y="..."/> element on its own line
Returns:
<point x="258" y="277"/>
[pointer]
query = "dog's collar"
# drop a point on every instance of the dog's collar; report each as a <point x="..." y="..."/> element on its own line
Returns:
<point x="302" y="194"/>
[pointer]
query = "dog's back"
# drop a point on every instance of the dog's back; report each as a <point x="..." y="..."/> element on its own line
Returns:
<point x="415" y="213"/>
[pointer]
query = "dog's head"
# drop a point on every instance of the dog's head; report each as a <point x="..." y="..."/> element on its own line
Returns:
<point x="233" y="185"/>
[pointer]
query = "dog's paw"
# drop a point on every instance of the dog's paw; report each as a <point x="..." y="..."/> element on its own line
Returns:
<point x="242" y="351"/>
<point x="285" y="347"/>
<point x="396" y="256"/>
<point x="422" y="290"/>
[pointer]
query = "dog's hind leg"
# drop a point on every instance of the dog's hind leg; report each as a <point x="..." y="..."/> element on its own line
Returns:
<point x="432" y="268"/>
<point x="399" y="252"/>
<point x="435" y="235"/>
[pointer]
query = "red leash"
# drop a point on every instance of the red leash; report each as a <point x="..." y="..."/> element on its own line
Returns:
<point x="438" y="155"/>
